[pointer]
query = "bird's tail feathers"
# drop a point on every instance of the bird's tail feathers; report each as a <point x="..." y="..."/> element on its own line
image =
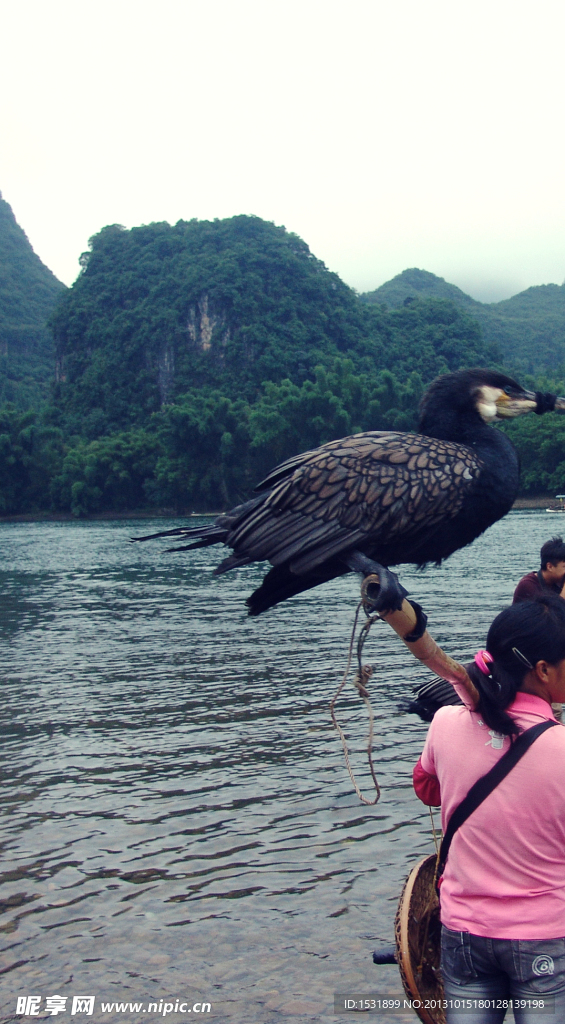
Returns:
<point x="178" y="531"/>
<point x="204" y="536"/>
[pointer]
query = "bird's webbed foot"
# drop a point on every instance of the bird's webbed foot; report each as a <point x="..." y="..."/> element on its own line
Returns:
<point x="387" y="594"/>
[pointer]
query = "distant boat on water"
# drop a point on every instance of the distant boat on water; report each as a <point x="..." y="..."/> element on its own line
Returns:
<point x="561" y="507"/>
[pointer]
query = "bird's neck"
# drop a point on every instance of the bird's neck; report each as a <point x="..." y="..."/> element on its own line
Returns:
<point x="452" y="425"/>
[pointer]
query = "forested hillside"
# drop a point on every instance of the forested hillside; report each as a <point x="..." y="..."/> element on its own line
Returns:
<point x="528" y="329"/>
<point x="418" y="284"/>
<point x="160" y="311"/>
<point x="190" y="359"/>
<point x="28" y="294"/>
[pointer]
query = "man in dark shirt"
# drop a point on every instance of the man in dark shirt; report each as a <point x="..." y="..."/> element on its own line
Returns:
<point x="550" y="577"/>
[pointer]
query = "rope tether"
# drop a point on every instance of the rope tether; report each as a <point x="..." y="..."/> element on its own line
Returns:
<point x="362" y="676"/>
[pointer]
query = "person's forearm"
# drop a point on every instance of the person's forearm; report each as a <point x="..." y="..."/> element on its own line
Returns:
<point x="430" y="654"/>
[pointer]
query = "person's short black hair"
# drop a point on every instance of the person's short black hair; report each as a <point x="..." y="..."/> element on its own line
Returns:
<point x="552" y="551"/>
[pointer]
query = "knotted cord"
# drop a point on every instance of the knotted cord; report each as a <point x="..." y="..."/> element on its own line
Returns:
<point x="360" y="680"/>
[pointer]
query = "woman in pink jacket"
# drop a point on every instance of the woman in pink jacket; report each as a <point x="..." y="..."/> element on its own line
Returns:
<point x="502" y="894"/>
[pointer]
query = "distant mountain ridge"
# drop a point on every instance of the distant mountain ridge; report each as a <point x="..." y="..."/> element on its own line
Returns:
<point x="418" y="284"/>
<point x="28" y="295"/>
<point x="528" y="329"/>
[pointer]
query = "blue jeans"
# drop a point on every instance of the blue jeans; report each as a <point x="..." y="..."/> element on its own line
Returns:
<point x="498" y="970"/>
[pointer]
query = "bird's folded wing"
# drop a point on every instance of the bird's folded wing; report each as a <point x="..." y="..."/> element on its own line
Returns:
<point x="379" y="485"/>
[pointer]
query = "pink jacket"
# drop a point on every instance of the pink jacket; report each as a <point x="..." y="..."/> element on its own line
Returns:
<point x="505" y="873"/>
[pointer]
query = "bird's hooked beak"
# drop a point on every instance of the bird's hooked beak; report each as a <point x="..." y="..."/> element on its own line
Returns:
<point x="509" y="404"/>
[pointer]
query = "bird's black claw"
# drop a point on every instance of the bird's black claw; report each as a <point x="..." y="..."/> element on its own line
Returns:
<point x="382" y="594"/>
<point x="385" y="596"/>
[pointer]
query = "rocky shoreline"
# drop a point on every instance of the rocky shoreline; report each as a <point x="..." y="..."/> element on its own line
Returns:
<point x="539" y="501"/>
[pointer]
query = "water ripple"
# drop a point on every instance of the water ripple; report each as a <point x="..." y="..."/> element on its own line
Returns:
<point x="177" y="818"/>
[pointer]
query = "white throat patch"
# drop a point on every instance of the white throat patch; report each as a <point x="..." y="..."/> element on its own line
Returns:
<point x="486" y="402"/>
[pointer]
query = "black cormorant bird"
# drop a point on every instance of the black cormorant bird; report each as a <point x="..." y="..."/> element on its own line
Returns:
<point x="381" y="498"/>
<point x="431" y="696"/>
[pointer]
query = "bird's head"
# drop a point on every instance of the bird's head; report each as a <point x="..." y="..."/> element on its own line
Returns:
<point x="502" y="398"/>
<point x="488" y="394"/>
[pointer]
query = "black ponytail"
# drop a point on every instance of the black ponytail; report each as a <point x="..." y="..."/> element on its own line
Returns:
<point x="519" y="637"/>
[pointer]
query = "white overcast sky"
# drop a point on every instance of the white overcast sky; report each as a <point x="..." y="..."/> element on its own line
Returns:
<point x="386" y="133"/>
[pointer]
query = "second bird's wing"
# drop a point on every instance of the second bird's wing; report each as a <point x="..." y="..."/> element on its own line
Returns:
<point x="373" y="486"/>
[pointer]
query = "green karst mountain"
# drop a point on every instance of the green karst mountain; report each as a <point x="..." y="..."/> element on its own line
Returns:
<point x="528" y="329"/>
<point x="187" y="360"/>
<point x="191" y="358"/>
<point x="28" y="295"/>
<point x="418" y="284"/>
<point x="163" y="310"/>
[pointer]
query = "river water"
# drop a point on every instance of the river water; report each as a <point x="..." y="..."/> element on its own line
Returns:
<point x="178" y="822"/>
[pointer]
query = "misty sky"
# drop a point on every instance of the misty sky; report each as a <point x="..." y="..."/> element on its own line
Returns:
<point x="386" y="134"/>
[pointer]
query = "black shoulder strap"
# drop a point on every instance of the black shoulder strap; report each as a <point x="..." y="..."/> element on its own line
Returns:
<point x="485" y="785"/>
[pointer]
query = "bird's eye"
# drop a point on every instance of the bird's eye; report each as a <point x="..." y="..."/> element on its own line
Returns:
<point x="508" y="389"/>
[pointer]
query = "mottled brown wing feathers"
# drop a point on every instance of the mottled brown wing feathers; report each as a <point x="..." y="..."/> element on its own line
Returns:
<point x="378" y="484"/>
